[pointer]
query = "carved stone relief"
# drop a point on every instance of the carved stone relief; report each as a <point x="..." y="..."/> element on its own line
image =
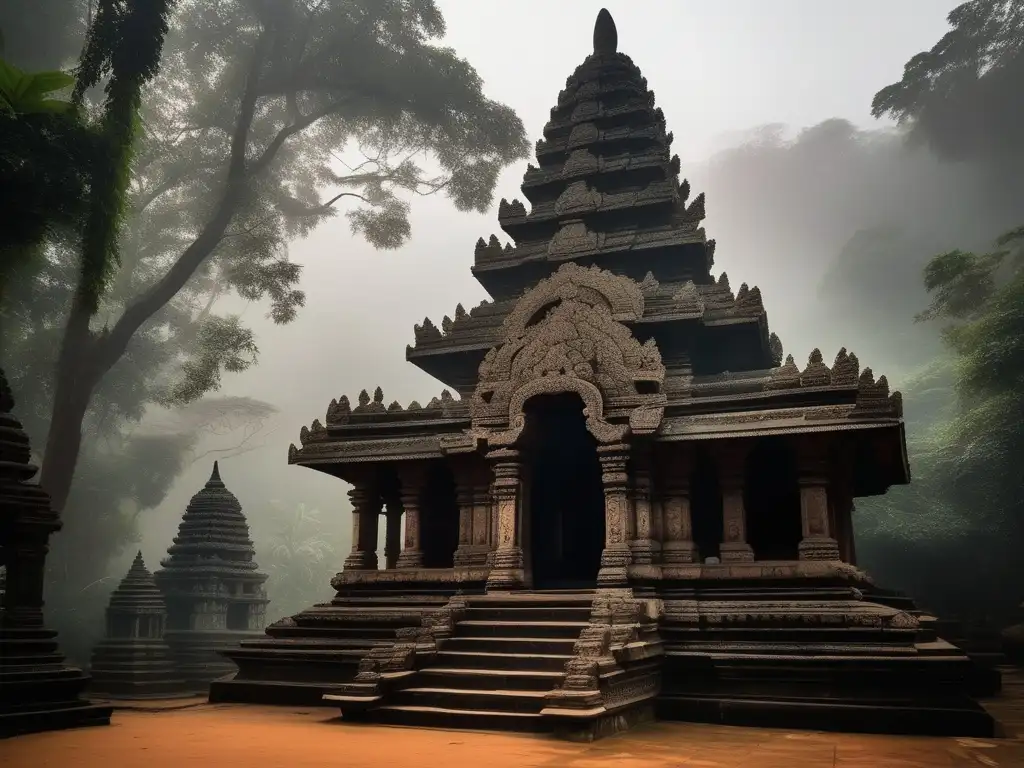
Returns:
<point x="566" y="335"/>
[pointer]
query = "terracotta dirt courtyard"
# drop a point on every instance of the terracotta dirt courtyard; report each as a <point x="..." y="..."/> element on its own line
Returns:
<point x="233" y="735"/>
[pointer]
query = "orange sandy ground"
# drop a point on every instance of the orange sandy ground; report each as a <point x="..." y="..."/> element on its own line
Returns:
<point x="232" y="736"/>
<point x="229" y="736"/>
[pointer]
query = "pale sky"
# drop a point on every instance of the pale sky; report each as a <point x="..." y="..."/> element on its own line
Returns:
<point x="717" y="68"/>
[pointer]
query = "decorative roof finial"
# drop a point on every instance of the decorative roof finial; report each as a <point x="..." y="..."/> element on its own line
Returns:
<point x="606" y="38"/>
<point x="215" y="476"/>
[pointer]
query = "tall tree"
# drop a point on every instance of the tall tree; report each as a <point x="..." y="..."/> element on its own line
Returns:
<point x="962" y="97"/>
<point x="253" y="116"/>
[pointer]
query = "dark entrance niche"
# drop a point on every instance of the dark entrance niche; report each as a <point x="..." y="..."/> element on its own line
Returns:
<point x="439" y="518"/>
<point x="566" y="496"/>
<point x="772" y="501"/>
<point x="706" y="506"/>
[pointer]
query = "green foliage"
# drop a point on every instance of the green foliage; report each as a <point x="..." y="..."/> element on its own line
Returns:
<point x="23" y="93"/>
<point x="962" y="96"/>
<point x="123" y="45"/>
<point x="45" y="156"/>
<point x="983" y="296"/>
<point x="299" y="556"/>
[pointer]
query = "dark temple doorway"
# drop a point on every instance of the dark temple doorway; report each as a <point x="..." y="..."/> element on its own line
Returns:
<point x="566" y="496"/>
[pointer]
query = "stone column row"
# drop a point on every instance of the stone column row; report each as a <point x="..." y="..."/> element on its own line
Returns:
<point x="367" y="505"/>
<point x="820" y="522"/>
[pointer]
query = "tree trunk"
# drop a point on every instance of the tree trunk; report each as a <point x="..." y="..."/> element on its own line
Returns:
<point x="75" y="378"/>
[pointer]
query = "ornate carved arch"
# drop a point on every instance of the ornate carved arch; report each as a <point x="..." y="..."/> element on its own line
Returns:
<point x="566" y="335"/>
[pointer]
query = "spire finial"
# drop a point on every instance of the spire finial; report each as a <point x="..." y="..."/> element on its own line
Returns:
<point x="215" y="476"/>
<point x="606" y="38"/>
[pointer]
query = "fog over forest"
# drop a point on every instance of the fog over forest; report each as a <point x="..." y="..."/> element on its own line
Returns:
<point x="833" y="213"/>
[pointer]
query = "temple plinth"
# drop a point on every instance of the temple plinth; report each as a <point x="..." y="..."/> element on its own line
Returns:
<point x="634" y="501"/>
<point x="211" y="584"/>
<point x="38" y="691"/>
<point x="133" y="661"/>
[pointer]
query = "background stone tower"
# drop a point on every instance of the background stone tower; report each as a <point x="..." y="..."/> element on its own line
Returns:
<point x="133" y="661"/>
<point x="38" y="692"/>
<point x="210" y="582"/>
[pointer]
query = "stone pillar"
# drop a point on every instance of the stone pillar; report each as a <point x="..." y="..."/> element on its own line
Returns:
<point x="731" y="474"/>
<point x="678" y="547"/>
<point x="392" y="533"/>
<point x="818" y="542"/>
<point x="464" y="498"/>
<point x="365" y="511"/>
<point x="616" y="556"/>
<point x="481" y="522"/>
<point x="507" y="570"/>
<point x="412" y="486"/>
<point x="643" y="544"/>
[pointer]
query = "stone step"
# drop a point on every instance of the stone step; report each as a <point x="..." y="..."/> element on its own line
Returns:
<point x="469" y="678"/>
<point x="520" y="629"/>
<point x="511" y="644"/>
<point x="530" y="613"/>
<point x="488" y="660"/>
<point x="533" y="600"/>
<point x="523" y="702"/>
<point x="448" y="719"/>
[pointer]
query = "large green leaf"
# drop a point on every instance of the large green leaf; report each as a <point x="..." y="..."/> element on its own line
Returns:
<point x="28" y="93"/>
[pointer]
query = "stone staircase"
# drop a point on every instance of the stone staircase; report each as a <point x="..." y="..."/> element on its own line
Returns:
<point x="506" y="653"/>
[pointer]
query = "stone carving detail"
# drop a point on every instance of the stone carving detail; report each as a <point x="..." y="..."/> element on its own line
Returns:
<point x="816" y="374"/>
<point x="339" y="411"/>
<point x="368" y="406"/>
<point x="785" y="377"/>
<point x="566" y="335"/>
<point x="491" y="250"/>
<point x="688" y="299"/>
<point x="427" y="332"/>
<point x="572" y="237"/>
<point x="748" y="301"/>
<point x="413" y="646"/>
<point x="845" y="370"/>
<point x="873" y="398"/>
<point x="614" y="658"/>
<point x="513" y="210"/>
<point x="577" y="198"/>
<point x="649" y="285"/>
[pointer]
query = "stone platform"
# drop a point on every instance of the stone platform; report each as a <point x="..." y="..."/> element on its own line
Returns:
<point x="38" y="692"/>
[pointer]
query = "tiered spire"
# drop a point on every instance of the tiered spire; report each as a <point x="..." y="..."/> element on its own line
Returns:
<point x="137" y="592"/>
<point x="133" y="661"/>
<point x="212" y="530"/>
<point x="211" y="583"/>
<point x="606" y="181"/>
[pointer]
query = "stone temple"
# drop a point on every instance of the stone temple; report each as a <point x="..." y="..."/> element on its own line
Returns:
<point x="634" y="508"/>
<point x="133" y="661"/>
<point x="210" y="582"/>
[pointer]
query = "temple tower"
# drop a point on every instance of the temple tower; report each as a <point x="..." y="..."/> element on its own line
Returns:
<point x="214" y="592"/>
<point x="133" y="661"/>
<point x="38" y="692"/>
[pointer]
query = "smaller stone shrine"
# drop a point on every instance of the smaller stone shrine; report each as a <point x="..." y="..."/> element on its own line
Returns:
<point x="210" y="582"/>
<point x="133" y="661"/>
<point x="38" y="691"/>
